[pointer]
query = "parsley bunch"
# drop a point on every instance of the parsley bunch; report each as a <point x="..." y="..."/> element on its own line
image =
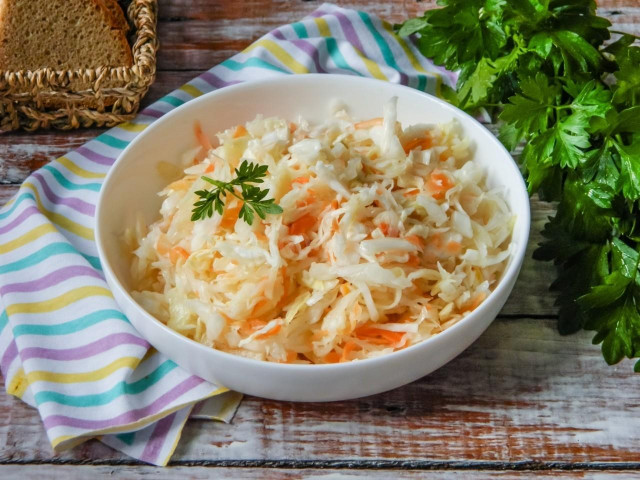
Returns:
<point x="543" y="69"/>
<point x="252" y="197"/>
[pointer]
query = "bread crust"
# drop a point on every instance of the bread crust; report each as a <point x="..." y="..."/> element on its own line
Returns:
<point x="118" y="25"/>
<point x="33" y="35"/>
<point x="116" y="15"/>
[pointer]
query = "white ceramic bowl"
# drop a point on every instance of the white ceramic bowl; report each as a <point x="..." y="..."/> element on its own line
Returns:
<point x="133" y="183"/>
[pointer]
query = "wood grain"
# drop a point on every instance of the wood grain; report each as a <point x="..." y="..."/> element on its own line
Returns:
<point x="286" y="10"/>
<point x="197" y="35"/>
<point x="203" y="35"/>
<point x="208" y="37"/>
<point x="522" y="398"/>
<point x="521" y="394"/>
<point x="266" y="473"/>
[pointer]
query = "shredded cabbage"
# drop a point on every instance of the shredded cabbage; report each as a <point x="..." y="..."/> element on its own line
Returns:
<point x="388" y="236"/>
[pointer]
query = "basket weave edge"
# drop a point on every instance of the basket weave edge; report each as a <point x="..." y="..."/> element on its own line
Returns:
<point x="102" y="96"/>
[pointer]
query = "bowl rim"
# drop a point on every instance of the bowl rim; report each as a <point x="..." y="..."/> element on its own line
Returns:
<point x="523" y="222"/>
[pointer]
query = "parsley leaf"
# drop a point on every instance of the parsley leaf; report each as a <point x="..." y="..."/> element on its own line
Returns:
<point x="576" y="52"/>
<point x="570" y="136"/>
<point x="531" y="109"/>
<point x="611" y="306"/>
<point x="542" y="68"/>
<point x="627" y="88"/>
<point x="253" y="197"/>
<point x="591" y="100"/>
<point x="630" y="170"/>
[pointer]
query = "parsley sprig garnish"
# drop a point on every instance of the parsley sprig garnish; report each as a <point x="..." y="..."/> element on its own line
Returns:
<point x="546" y="71"/>
<point x="252" y="197"/>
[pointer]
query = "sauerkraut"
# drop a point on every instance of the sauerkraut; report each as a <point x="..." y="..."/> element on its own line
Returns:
<point x="388" y="236"/>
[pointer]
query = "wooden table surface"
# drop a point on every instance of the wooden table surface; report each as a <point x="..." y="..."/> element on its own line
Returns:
<point x="523" y="401"/>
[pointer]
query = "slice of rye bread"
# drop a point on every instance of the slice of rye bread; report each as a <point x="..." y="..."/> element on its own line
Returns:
<point x="60" y="34"/>
<point x="118" y="18"/>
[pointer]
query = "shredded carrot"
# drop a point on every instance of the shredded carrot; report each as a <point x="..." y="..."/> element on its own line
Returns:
<point x="415" y="240"/>
<point x="411" y="193"/>
<point x="444" y="156"/>
<point x="430" y="259"/>
<point x="285" y="287"/>
<point x="209" y="168"/>
<point x="347" y="349"/>
<point x="414" y="261"/>
<point x="406" y="318"/>
<point x="270" y="333"/>
<point x="332" y="357"/>
<point x="182" y="184"/>
<point x="474" y="302"/>
<point x="422" y="142"/>
<point x="259" y="305"/>
<point x="302" y="225"/>
<point x="344" y="289"/>
<point x="292" y="127"/>
<point x="240" y="131"/>
<point x="435" y="240"/>
<point x="454" y="247"/>
<point x="203" y="140"/>
<point x="387" y="230"/>
<point x="230" y="215"/>
<point x="176" y="253"/>
<point x="244" y="331"/>
<point x="291" y="356"/>
<point x="255" y="324"/>
<point x="379" y="341"/>
<point x="374" y="122"/>
<point x="334" y="204"/>
<point x="301" y="180"/>
<point x="438" y="184"/>
<point x="227" y="318"/>
<point x="371" y="334"/>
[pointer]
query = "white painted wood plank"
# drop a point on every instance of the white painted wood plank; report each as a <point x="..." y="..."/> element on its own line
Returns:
<point x="521" y="393"/>
<point x="82" y="472"/>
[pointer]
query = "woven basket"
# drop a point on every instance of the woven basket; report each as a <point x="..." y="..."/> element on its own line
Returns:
<point x="103" y="96"/>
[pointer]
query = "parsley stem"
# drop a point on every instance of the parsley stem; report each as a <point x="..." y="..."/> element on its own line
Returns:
<point x="232" y="192"/>
<point x="252" y="197"/>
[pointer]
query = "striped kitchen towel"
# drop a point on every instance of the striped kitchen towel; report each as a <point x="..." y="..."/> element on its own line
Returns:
<point x="65" y="347"/>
